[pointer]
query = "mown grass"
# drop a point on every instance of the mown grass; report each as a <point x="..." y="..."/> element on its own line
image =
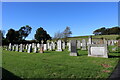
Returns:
<point x="52" y="64"/>
<point x="95" y="36"/>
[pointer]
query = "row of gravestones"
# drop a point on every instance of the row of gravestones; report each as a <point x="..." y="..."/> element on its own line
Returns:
<point x="97" y="50"/>
<point x="49" y="46"/>
<point x="52" y="46"/>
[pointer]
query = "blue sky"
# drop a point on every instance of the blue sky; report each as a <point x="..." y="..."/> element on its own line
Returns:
<point x="82" y="17"/>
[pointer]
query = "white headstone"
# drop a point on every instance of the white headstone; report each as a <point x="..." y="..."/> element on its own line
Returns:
<point x="17" y="47"/>
<point x="29" y="49"/>
<point x="63" y="45"/>
<point x="10" y="47"/>
<point x="59" y="45"/>
<point x="45" y="47"/>
<point x="35" y="49"/>
<point x="21" y="49"/>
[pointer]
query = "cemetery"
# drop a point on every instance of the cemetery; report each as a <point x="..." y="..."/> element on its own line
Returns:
<point x="85" y="58"/>
<point x="52" y="40"/>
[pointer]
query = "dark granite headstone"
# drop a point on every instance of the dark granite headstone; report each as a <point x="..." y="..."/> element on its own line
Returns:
<point x="73" y="48"/>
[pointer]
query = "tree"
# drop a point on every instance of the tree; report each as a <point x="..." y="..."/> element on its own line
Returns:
<point x="24" y="31"/>
<point x="41" y="34"/>
<point x="100" y="31"/>
<point x="107" y="31"/>
<point x="10" y="36"/>
<point x="67" y="32"/>
<point x="58" y="35"/>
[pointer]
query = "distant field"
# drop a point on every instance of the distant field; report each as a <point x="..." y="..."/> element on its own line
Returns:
<point x="52" y="64"/>
<point x="97" y="36"/>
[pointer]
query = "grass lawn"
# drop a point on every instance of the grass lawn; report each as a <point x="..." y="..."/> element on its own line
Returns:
<point x="52" y="64"/>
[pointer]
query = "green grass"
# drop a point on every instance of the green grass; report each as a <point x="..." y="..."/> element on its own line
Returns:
<point x="52" y="64"/>
<point x="95" y="36"/>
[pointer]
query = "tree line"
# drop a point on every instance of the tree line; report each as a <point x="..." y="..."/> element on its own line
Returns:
<point x="107" y="31"/>
<point x="19" y="36"/>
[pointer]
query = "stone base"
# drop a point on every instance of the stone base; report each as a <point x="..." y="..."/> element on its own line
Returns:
<point x="59" y="50"/>
<point x="73" y="54"/>
<point x="98" y="56"/>
<point x="83" y="49"/>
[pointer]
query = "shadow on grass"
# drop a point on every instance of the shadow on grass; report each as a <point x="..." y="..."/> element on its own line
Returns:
<point x="6" y="75"/>
<point x="111" y="56"/>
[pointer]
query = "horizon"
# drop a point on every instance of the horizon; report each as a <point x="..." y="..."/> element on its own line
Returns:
<point x="55" y="16"/>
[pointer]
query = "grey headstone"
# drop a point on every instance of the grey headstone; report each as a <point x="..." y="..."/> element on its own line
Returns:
<point x="73" y="48"/>
<point x="84" y="45"/>
<point x="21" y="48"/>
<point x="78" y="44"/>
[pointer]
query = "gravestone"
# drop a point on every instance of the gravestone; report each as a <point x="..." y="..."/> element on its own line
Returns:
<point x="119" y="43"/>
<point x="42" y="47"/>
<point x="59" y="45"/>
<point x="78" y="44"/>
<point x="13" y="48"/>
<point x="35" y="49"/>
<point x="73" y="48"/>
<point x="90" y="40"/>
<point x="105" y="41"/>
<point x="98" y="50"/>
<point x="50" y="47"/>
<point x="10" y="47"/>
<point x="101" y="41"/>
<point x="69" y="46"/>
<point x="45" y="47"/>
<point x="17" y="47"/>
<point x="21" y="49"/>
<point x="63" y="45"/>
<point x="112" y="42"/>
<point x="29" y="48"/>
<point x="108" y="42"/>
<point x="53" y="45"/>
<point x="48" y="44"/>
<point x="38" y="45"/>
<point x="84" y="45"/>
<point x="33" y="45"/>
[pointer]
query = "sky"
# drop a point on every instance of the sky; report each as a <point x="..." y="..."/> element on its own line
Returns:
<point x="82" y="17"/>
